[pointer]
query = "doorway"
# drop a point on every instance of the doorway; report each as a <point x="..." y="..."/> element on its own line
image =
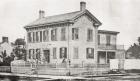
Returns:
<point x="47" y="55"/>
<point x="101" y="57"/>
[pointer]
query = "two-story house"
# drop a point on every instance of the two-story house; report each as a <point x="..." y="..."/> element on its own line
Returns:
<point x="70" y="37"/>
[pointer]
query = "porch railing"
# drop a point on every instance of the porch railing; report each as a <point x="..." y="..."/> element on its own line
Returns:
<point x="111" y="47"/>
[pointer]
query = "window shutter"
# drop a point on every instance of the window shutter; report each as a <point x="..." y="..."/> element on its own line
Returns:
<point x="60" y="52"/>
<point x="65" y="52"/>
<point x="98" y="39"/>
<point x="92" y="52"/>
<point x="72" y="33"/>
<point x="87" y="53"/>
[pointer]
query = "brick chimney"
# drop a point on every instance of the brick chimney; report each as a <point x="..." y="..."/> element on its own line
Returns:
<point x="82" y="6"/>
<point x="41" y="14"/>
<point x="5" y="39"/>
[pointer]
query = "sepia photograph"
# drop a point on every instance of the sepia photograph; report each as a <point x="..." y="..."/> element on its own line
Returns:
<point x="69" y="40"/>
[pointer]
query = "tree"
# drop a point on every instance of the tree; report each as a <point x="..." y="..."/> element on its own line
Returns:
<point x="20" y="51"/>
<point x="6" y="60"/>
<point x="139" y="40"/>
<point x="134" y="51"/>
<point x="20" y="41"/>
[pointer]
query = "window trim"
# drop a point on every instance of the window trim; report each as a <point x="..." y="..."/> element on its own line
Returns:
<point x="63" y="34"/>
<point x="89" y="35"/>
<point x="75" y="33"/>
<point x="66" y="55"/>
<point x="55" y="36"/>
<point x="55" y="53"/>
<point x="87" y="53"/>
<point x="75" y="53"/>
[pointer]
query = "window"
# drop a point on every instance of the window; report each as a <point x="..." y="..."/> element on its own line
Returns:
<point x="38" y="54"/>
<point x="37" y="37"/>
<point x="98" y="39"/>
<point x="75" y="32"/>
<point x="29" y="37"/>
<point x="75" y="50"/>
<point x="90" y="53"/>
<point x="90" y="35"/>
<point x="108" y="38"/>
<point x="54" y="53"/>
<point x="33" y="53"/>
<point x="63" y="52"/>
<point x="54" y="34"/>
<point x="40" y="36"/>
<point x="46" y="35"/>
<point x="63" y="34"/>
<point x="33" y="36"/>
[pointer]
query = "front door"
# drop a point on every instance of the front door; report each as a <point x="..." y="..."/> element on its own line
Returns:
<point x="47" y="55"/>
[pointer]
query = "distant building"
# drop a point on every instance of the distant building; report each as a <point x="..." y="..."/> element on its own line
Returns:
<point x="5" y="46"/>
<point x="72" y="36"/>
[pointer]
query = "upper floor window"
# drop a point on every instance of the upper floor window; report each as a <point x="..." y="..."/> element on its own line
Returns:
<point x="75" y="32"/>
<point x="89" y="35"/>
<point x="63" y="52"/>
<point x="54" y="34"/>
<point x="108" y="38"/>
<point x="98" y="39"/>
<point x="54" y="53"/>
<point x="29" y="37"/>
<point x="90" y="53"/>
<point x="37" y="37"/>
<point x="63" y="34"/>
<point x="75" y="50"/>
<point x="46" y="35"/>
<point x="33" y="36"/>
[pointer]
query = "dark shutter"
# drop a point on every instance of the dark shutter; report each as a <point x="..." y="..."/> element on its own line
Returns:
<point x="72" y="33"/>
<point x="65" y="52"/>
<point x="60" y="52"/>
<point x="98" y="39"/>
<point x="92" y="52"/>
<point x="40" y="36"/>
<point x="87" y="53"/>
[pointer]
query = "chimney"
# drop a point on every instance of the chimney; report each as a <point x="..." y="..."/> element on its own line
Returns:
<point x="41" y="14"/>
<point x="5" y="39"/>
<point x="82" y="6"/>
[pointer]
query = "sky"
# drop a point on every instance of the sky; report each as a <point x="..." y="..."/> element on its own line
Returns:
<point x="116" y="15"/>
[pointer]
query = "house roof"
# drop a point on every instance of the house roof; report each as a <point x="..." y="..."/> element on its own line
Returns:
<point x="67" y="17"/>
<point x="108" y="32"/>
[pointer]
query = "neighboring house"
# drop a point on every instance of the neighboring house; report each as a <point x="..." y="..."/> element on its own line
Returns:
<point x="5" y="46"/>
<point x="72" y="36"/>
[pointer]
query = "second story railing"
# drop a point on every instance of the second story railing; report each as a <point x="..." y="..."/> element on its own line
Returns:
<point x="110" y="47"/>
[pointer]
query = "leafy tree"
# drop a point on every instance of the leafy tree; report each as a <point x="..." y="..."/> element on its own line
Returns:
<point x="139" y="40"/>
<point x="134" y="51"/>
<point x="6" y="59"/>
<point x="20" y="51"/>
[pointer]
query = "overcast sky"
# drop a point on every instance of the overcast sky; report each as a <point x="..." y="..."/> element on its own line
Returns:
<point x="116" y="15"/>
